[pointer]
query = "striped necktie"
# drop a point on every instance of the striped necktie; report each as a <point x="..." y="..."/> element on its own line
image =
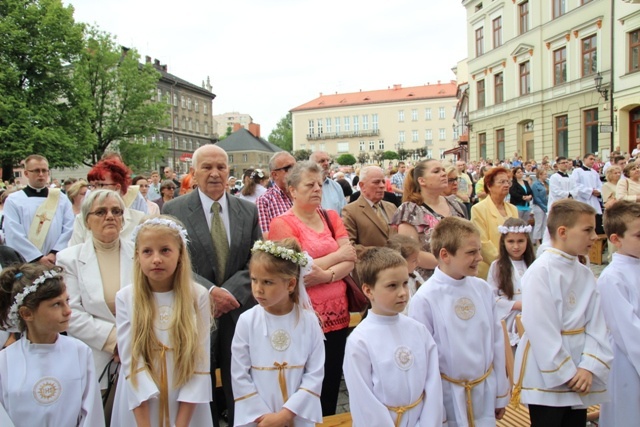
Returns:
<point x="220" y="242"/>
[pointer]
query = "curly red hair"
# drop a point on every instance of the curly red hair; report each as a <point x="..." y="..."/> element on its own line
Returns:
<point x="490" y="177"/>
<point x="120" y="173"/>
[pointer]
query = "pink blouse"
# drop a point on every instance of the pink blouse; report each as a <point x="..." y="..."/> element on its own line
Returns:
<point x="329" y="300"/>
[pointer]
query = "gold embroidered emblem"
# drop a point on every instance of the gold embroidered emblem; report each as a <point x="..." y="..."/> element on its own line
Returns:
<point x="47" y="390"/>
<point x="164" y="317"/>
<point x="572" y="300"/>
<point x="465" y="309"/>
<point x="280" y="340"/>
<point x="403" y="357"/>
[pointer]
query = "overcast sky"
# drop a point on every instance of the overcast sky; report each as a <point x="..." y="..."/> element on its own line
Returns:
<point x="265" y="57"/>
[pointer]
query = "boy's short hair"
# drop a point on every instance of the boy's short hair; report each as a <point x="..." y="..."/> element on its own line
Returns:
<point x="450" y="233"/>
<point x="617" y="218"/>
<point x="565" y="213"/>
<point x="403" y="244"/>
<point x="375" y="260"/>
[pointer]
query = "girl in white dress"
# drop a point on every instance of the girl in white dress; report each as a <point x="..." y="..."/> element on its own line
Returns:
<point x="163" y="321"/>
<point x="277" y="354"/>
<point x="46" y="379"/>
<point x="516" y="255"/>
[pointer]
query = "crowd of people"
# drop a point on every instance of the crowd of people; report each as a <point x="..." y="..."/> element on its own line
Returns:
<point x="157" y="283"/>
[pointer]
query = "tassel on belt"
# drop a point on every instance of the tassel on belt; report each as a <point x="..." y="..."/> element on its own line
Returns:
<point x="164" y="388"/>
<point x="468" y="386"/>
<point x="280" y="367"/>
<point x="400" y="410"/>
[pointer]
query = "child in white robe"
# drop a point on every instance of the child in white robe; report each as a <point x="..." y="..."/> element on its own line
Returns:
<point x="163" y="321"/>
<point x="563" y="358"/>
<point x="409" y="249"/>
<point x="460" y="312"/>
<point x="619" y="287"/>
<point x="391" y="361"/>
<point x="516" y="254"/>
<point x="277" y="353"/>
<point x="46" y="379"/>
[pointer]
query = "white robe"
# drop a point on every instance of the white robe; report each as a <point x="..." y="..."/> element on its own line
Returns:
<point x="50" y="384"/>
<point x="559" y="188"/>
<point x="504" y="305"/>
<point x="583" y="182"/>
<point x="391" y="361"/>
<point x="197" y="390"/>
<point x="19" y="211"/>
<point x="559" y="294"/>
<point x="261" y="340"/>
<point x="619" y="287"/>
<point x="461" y="316"/>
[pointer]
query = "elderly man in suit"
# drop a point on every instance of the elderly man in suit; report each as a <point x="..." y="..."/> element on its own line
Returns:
<point x="218" y="254"/>
<point x="367" y="219"/>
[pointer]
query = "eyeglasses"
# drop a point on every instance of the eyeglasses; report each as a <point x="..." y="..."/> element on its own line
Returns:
<point x="503" y="182"/>
<point x="284" y="168"/>
<point x="452" y="180"/>
<point x="38" y="171"/>
<point x="143" y="186"/>
<point x="104" y="184"/>
<point x="102" y="212"/>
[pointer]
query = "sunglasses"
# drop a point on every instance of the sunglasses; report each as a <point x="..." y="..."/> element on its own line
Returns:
<point x="284" y="168"/>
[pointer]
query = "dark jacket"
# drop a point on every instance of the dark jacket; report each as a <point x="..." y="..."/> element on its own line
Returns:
<point x="517" y="192"/>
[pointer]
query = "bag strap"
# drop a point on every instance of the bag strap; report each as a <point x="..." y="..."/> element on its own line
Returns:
<point x="326" y="218"/>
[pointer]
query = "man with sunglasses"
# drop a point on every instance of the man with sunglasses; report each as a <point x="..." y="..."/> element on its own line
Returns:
<point x="277" y="199"/>
<point x="38" y="219"/>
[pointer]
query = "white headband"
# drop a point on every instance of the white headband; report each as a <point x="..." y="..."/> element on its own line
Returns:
<point x="19" y="298"/>
<point x="519" y="229"/>
<point x="162" y="221"/>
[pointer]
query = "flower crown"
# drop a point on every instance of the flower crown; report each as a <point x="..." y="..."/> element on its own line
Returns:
<point x="19" y="298"/>
<point x="270" y="247"/>
<point x="519" y="229"/>
<point x="162" y="221"/>
<point x="257" y="172"/>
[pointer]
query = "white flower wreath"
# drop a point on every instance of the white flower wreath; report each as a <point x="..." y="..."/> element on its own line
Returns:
<point x="519" y="229"/>
<point x="162" y="221"/>
<point x="19" y="298"/>
<point x="270" y="247"/>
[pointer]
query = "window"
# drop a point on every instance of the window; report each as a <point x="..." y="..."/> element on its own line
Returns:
<point x="498" y="88"/>
<point x="441" y="113"/>
<point x="184" y="123"/>
<point x="311" y="127"/>
<point x="244" y="158"/>
<point x="204" y="108"/>
<point x="523" y="11"/>
<point x="381" y="144"/>
<point x="428" y="137"/>
<point x="482" y="145"/>
<point x="500" y="144"/>
<point x="361" y="145"/>
<point x="197" y="126"/>
<point x="525" y="79"/>
<point x="196" y="106"/>
<point x="401" y="136"/>
<point x="560" y="66"/>
<point x="562" y="136"/>
<point x="206" y="128"/>
<point x="159" y="95"/>
<point x="589" y="55"/>
<point x="320" y="149"/>
<point x="429" y="153"/>
<point x="347" y="124"/>
<point x="591" y="130"/>
<point x="175" y="100"/>
<point x="356" y="125"/>
<point x="559" y="8"/>
<point x="497" y="32"/>
<point x="414" y="115"/>
<point x="175" y="122"/>
<point x="374" y="118"/>
<point x="189" y="104"/>
<point x="479" y="41"/>
<point x="320" y="128"/>
<point x="190" y="123"/>
<point x="442" y="150"/>
<point x="480" y="90"/>
<point x="427" y="113"/>
<point x="343" y="147"/>
<point x="634" y="51"/>
<point x="372" y="145"/>
<point x="455" y="132"/>
<point x="442" y="134"/>
<point x="365" y="122"/>
<point x="337" y="121"/>
<point x="414" y="136"/>
<point x="401" y="116"/>
<point x="183" y="102"/>
<point x="328" y="123"/>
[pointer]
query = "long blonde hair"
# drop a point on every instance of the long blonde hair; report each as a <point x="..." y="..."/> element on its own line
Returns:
<point x="185" y="324"/>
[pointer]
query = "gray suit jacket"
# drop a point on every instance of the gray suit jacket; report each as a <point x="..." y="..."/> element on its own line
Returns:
<point x="245" y="230"/>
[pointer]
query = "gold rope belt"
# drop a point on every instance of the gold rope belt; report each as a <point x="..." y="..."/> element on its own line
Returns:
<point x="164" y="388"/>
<point x="280" y="367"/>
<point x="400" y="410"/>
<point x="468" y="386"/>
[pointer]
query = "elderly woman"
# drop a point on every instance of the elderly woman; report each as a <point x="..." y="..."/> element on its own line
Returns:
<point x="254" y="185"/>
<point x="143" y="184"/>
<point x="540" y="190"/>
<point x="423" y="207"/>
<point x="76" y="194"/>
<point x="488" y="214"/>
<point x="323" y="235"/>
<point x="629" y="188"/>
<point x="452" y="181"/>
<point x="94" y="271"/>
<point x="609" y="195"/>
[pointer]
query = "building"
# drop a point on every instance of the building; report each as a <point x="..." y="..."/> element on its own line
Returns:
<point x="246" y="149"/>
<point x="532" y="68"/>
<point x="413" y="121"/>
<point x="226" y="122"/>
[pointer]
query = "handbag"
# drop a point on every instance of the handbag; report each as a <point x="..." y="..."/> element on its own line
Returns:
<point x="356" y="299"/>
<point x="111" y="371"/>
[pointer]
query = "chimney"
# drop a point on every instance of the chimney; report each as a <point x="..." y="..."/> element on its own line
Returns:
<point x="237" y="127"/>
<point x="147" y="59"/>
<point x="397" y="87"/>
<point x="164" y="68"/>
<point x="254" y="128"/>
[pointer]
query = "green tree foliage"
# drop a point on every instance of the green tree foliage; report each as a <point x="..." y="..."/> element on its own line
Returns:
<point x="40" y="109"/>
<point x="390" y="155"/>
<point x="346" y="160"/>
<point x="363" y="158"/>
<point x="301" y="155"/>
<point x="142" y="155"/>
<point x="121" y="93"/>
<point x="282" y="135"/>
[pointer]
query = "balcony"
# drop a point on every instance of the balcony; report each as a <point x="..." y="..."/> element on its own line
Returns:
<point x="340" y="135"/>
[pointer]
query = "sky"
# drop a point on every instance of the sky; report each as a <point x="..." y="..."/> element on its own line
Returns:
<point x="265" y="57"/>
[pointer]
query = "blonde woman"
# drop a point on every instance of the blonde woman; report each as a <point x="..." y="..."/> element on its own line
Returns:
<point x="629" y="188"/>
<point x="609" y="196"/>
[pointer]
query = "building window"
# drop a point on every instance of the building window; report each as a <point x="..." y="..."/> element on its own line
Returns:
<point x="175" y="122"/>
<point x="356" y="124"/>
<point x="589" y="55"/>
<point x="190" y="123"/>
<point x="414" y="136"/>
<point x="320" y="128"/>
<point x="427" y="113"/>
<point x="559" y="8"/>
<point x="204" y="108"/>
<point x="189" y="104"/>
<point x="442" y="150"/>
<point x="175" y="100"/>
<point x="401" y="116"/>
<point x="197" y="126"/>
<point x="428" y="137"/>
<point x="500" y="144"/>
<point x="442" y="134"/>
<point x="479" y="41"/>
<point x="374" y="118"/>
<point x="441" y="114"/>
<point x="497" y="32"/>
<point x="562" y="136"/>
<point x="311" y="127"/>
<point x="482" y="145"/>
<point x="560" y="66"/>
<point x="321" y="148"/>
<point x="523" y="12"/>
<point x="591" y="130"/>
<point x="361" y="145"/>
<point x="480" y="90"/>
<point x="328" y="123"/>
<point x="525" y="79"/>
<point x="365" y="122"/>
<point x="206" y="128"/>
<point x="196" y="106"/>
<point x="244" y="158"/>
<point x="343" y="147"/>
<point x="337" y="121"/>
<point x="184" y="124"/>
<point x="634" y="51"/>
<point x="159" y="95"/>
<point x="414" y="115"/>
<point x="347" y="124"/>
<point x="183" y="102"/>
<point x="381" y="144"/>
<point x="498" y="88"/>
<point x="401" y="136"/>
<point x="372" y="145"/>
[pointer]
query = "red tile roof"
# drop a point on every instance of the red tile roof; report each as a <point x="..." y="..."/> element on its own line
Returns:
<point x="396" y="93"/>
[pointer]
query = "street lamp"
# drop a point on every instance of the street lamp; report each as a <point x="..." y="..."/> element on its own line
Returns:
<point x="604" y="92"/>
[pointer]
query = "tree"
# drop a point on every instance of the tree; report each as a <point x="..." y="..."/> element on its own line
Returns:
<point x="40" y="109"/>
<point x="282" y="135"/>
<point x="120" y="91"/>
<point x="346" y="160"/>
<point x="142" y="156"/>
<point x="301" y="155"/>
<point x="390" y="155"/>
<point x="363" y="158"/>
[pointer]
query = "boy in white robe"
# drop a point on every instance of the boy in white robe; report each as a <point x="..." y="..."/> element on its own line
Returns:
<point x="619" y="287"/>
<point x="391" y="361"/>
<point x="459" y="310"/>
<point x="563" y="358"/>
